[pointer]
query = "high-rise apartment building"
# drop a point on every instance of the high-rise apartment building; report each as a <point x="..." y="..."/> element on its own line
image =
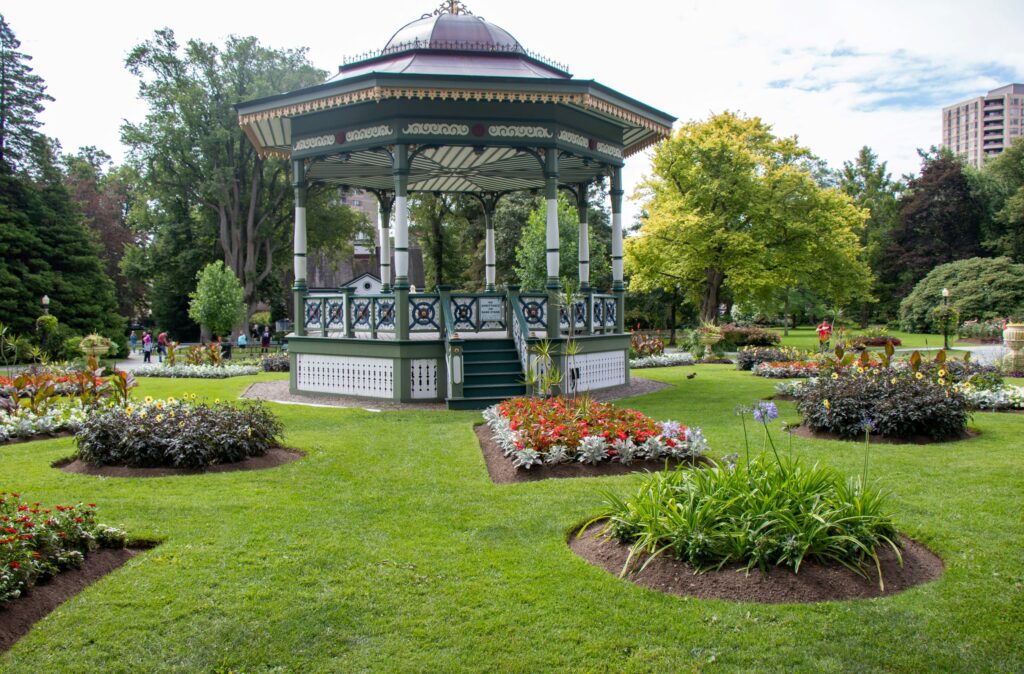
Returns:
<point x="982" y="127"/>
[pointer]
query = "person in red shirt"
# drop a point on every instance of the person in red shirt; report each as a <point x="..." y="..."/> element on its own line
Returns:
<point x="161" y="346"/>
<point x="824" y="336"/>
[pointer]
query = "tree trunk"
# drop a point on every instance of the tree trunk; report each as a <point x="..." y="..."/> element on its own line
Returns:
<point x="712" y="293"/>
<point x="672" y="320"/>
<point x="785" y="315"/>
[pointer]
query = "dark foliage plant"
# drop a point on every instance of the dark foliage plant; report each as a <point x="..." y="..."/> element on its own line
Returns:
<point x="178" y="435"/>
<point x="277" y="362"/>
<point x="736" y="336"/>
<point x="750" y="356"/>
<point x="863" y="341"/>
<point x="900" y="404"/>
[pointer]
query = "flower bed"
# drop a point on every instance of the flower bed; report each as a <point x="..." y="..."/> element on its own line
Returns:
<point x="22" y="422"/>
<point x="196" y="371"/>
<point x="664" y="360"/>
<point x="894" y="402"/>
<point x="791" y="389"/>
<point x="177" y="434"/>
<point x="788" y="369"/>
<point x="643" y="346"/>
<point x="750" y="356"/>
<point x="536" y="431"/>
<point x="37" y="543"/>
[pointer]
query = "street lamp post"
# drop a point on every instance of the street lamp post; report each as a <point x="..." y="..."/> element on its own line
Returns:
<point x="45" y="301"/>
<point x="945" y="318"/>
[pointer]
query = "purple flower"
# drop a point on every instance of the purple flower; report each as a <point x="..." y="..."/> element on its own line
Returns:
<point x="868" y="425"/>
<point x="765" y="412"/>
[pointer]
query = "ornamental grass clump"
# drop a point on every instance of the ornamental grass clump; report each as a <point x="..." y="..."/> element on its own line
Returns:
<point x="548" y="431"/>
<point x="37" y="543"/>
<point x="177" y="434"/>
<point x="772" y="510"/>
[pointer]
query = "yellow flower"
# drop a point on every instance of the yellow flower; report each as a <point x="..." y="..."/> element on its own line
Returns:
<point x="149" y="400"/>
<point x="893" y="381"/>
<point x="128" y="410"/>
<point x="827" y="405"/>
<point x="216" y="401"/>
<point x="835" y="375"/>
<point x="181" y="424"/>
<point x="171" y="400"/>
<point x="159" y="418"/>
<point x="860" y="370"/>
<point x="159" y="405"/>
<point x="875" y="371"/>
<point x="942" y="373"/>
<point x="171" y="414"/>
<point x="143" y="415"/>
<point x="919" y="375"/>
<point x="942" y="381"/>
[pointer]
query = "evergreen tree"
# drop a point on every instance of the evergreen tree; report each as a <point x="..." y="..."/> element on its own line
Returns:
<point x="22" y="95"/>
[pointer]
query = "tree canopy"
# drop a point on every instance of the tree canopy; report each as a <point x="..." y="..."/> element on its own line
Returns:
<point x="22" y="97"/>
<point x="979" y="288"/>
<point x="218" y="301"/>
<point x="732" y="207"/>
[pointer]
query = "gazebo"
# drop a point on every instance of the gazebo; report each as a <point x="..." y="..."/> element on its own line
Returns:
<point x="453" y="103"/>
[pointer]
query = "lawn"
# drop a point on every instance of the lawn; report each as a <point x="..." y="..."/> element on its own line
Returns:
<point x="388" y="549"/>
<point x="807" y="338"/>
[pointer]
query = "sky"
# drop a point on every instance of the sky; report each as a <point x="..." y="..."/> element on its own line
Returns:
<point x="837" y="75"/>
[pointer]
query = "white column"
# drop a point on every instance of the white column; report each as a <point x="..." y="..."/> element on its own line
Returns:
<point x="552" y="234"/>
<point x="616" y="195"/>
<point x="584" y="242"/>
<point x="300" y="238"/>
<point x="489" y="251"/>
<point x="401" y="216"/>
<point x="385" y="245"/>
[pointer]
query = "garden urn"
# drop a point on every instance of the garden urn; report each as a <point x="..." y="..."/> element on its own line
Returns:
<point x="709" y="339"/>
<point x="1013" y="337"/>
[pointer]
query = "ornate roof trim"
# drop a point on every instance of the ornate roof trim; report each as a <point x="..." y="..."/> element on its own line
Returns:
<point x="379" y="93"/>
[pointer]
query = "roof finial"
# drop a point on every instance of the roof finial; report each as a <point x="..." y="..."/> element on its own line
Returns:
<point x="452" y="7"/>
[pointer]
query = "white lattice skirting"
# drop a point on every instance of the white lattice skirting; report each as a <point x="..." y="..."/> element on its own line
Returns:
<point x="597" y="370"/>
<point x="423" y="380"/>
<point x="346" y="375"/>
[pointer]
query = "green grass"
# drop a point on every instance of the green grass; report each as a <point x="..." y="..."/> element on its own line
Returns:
<point x="807" y="338"/>
<point x="388" y="549"/>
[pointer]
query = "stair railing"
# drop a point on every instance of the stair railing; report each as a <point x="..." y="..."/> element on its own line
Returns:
<point x="453" y="346"/>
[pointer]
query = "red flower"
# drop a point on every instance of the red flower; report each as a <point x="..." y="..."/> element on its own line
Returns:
<point x="15" y="565"/>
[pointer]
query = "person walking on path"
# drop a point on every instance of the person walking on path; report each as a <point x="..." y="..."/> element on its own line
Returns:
<point x="134" y="339"/>
<point x="161" y="345"/>
<point x="242" y="341"/>
<point x="265" y="341"/>
<point x="147" y="347"/>
<point x="824" y="336"/>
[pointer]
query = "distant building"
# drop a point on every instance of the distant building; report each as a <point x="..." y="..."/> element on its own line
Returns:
<point x="327" y="271"/>
<point x="982" y="127"/>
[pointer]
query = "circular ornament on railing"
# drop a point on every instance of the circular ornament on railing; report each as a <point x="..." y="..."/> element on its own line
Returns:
<point x="423" y="313"/>
<point x="463" y="313"/>
<point x="534" y="312"/>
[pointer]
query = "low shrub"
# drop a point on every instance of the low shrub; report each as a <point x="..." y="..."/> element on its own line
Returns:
<point x="990" y="330"/>
<point x="864" y="341"/>
<point x="536" y="431"/>
<point x="277" y="362"/>
<point x="736" y="336"/>
<point x="196" y="371"/>
<point x="37" y="543"/>
<point x="642" y="345"/>
<point x="177" y="434"/>
<point x="749" y="356"/>
<point x="897" y="402"/>
<point x="766" y="512"/>
<point x="664" y="360"/>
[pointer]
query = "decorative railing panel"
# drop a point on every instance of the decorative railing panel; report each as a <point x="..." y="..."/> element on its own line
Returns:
<point x="345" y="375"/>
<point x="423" y="378"/>
<point x="384" y="314"/>
<point x="424" y="313"/>
<point x="313" y="312"/>
<point x="535" y="309"/>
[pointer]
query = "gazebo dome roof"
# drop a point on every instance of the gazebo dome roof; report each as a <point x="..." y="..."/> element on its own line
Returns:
<point x="452" y="29"/>
<point x="452" y="41"/>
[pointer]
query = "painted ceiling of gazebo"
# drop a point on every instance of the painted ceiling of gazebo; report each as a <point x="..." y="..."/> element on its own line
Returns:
<point x="474" y="105"/>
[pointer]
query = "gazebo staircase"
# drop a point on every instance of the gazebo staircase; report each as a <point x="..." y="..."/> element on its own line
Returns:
<point x="492" y="373"/>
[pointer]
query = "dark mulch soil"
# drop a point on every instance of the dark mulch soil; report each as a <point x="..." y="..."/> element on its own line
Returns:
<point x="34" y="438"/>
<point x="782" y="396"/>
<point x="275" y="457"/>
<point x="18" y="616"/>
<point x="805" y="432"/>
<point x="815" y="582"/>
<point x="501" y="470"/>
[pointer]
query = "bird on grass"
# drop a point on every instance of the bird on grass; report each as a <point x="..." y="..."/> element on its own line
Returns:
<point x="691" y="375"/>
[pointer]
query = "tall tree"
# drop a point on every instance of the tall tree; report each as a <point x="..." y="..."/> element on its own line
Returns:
<point x="531" y="265"/>
<point x="103" y="194"/>
<point x="868" y="182"/>
<point x="941" y="220"/>
<point x="734" y="209"/>
<point x="190" y="147"/>
<point x="22" y="98"/>
<point x="1006" y="172"/>
<point x="440" y="222"/>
